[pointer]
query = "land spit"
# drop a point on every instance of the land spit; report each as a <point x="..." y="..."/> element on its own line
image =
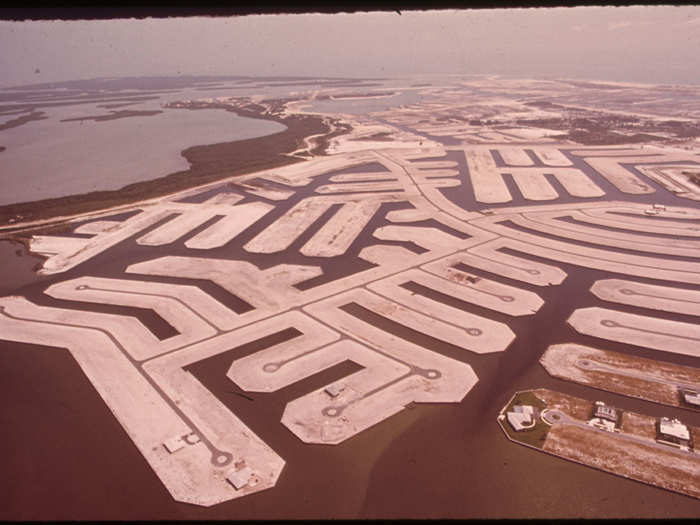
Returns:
<point x="624" y="374"/>
<point x="630" y="451"/>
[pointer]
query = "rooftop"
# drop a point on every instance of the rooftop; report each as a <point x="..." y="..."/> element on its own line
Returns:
<point x="673" y="427"/>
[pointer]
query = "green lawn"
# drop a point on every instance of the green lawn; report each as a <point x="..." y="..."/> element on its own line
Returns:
<point x="535" y="436"/>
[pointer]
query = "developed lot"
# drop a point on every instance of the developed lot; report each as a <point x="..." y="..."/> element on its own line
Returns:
<point x="631" y="453"/>
<point x="635" y="460"/>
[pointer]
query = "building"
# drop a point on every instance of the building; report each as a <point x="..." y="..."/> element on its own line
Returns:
<point x="673" y="432"/>
<point x="334" y="390"/>
<point x="521" y="417"/>
<point x="239" y="478"/>
<point x="691" y="397"/>
<point x="604" y="417"/>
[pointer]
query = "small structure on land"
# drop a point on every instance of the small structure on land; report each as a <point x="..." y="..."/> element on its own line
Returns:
<point x="521" y="417"/>
<point x="334" y="390"/>
<point x="174" y="444"/>
<point x="673" y="432"/>
<point x="239" y="478"/>
<point x="691" y="397"/>
<point x="604" y="417"/>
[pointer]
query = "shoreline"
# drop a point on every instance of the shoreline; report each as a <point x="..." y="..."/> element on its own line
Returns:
<point x="208" y="163"/>
<point x="23" y="119"/>
<point x="114" y="115"/>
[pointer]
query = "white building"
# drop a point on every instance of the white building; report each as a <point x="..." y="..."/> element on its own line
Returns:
<point x="673" y="432"/>
<point x="691" y="397"/>
<point x="521" y="417"/>
<point x="604" y="417"/>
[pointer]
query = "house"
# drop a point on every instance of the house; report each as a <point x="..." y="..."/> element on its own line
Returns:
<point x="691" y="397"/>
<point x="673" y="432"/>
<point x="521" y="417"/>
<point x="604" y="417"/>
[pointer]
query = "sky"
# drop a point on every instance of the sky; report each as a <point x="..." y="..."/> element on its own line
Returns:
<point x="657" y="44"/>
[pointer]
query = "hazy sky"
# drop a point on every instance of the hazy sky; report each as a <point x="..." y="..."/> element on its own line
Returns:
<point x="646" y="44"/>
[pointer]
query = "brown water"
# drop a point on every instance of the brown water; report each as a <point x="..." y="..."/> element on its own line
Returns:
<point x="18" y="266"/>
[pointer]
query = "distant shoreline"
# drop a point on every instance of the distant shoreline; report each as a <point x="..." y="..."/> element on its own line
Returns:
<point x="208" y="163"/>
<point x="114" y="115"/>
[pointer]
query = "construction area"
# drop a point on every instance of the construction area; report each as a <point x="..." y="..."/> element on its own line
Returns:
<point x="318" y="338"/>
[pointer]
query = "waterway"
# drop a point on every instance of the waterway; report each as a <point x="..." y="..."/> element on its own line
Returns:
<point x="430" y="460"/>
